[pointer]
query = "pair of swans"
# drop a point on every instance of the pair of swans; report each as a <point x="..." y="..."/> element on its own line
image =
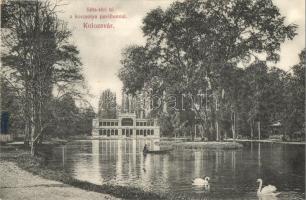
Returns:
<point x="269" y="190"/>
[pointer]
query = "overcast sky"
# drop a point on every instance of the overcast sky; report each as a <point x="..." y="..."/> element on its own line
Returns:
<point x="100" y="49"/>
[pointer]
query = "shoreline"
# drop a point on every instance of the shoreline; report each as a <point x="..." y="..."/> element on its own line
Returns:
<point x="267" y="141"/>
<point x="168" y="140"/>
<point x="36" y="187"/>
<point x="163" y="140"/>
<point x="209" y="145"/>
<point x="36" y="167"/>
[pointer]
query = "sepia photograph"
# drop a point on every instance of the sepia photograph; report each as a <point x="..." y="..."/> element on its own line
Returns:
<point x="152" y="100"/>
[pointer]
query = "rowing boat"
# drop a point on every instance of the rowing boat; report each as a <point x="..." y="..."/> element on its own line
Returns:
<point x="164" y="151"/>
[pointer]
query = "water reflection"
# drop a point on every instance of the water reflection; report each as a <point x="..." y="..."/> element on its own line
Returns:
<point x="268" y="198"/>
<point x="259" y="158"/>
<point x="63" y="156"/>
<point x="233" y="173"/>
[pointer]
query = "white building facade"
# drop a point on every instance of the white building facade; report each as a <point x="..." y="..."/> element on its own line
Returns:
<point x="125" y="126"/>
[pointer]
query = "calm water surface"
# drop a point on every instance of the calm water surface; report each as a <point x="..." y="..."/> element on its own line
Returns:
<point x="233" y="173"/>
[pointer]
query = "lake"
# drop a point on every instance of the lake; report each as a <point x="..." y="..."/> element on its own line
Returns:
<point x="233" y="173"/>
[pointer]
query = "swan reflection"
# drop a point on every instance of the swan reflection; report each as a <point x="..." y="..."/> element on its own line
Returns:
<point x="268" y="198"/>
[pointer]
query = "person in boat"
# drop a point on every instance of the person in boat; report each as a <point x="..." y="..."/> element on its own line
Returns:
<point x="145" y="148"/>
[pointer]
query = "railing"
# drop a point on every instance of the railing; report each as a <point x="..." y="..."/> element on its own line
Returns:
<point x="6" y="137"/>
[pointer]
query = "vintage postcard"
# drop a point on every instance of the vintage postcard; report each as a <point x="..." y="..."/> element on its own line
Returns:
<point x="152" y="99"/>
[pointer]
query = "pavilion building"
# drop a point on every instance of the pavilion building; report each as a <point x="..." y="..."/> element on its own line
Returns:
<point x="125" y="126"/>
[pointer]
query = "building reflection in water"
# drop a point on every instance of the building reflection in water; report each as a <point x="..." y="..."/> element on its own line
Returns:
<point x="122" y="162"/>
<point x="119" y="161"/>
<point x="165" y="171"/>
<point x="88" y="168"/>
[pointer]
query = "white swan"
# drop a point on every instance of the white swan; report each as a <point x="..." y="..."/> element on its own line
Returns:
<point x="269" y="190"/>
<point x="201" y="182"/>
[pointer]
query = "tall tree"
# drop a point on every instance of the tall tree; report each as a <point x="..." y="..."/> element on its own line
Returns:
<point x="67" y="119"/>
<point x="295" y="112"/>
<point x="191" y="45"/>
<point x="107" y="105"/>
<point x="39" y="56"/>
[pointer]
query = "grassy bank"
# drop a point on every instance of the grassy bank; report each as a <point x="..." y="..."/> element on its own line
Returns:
<point x="208" y="145"/>
<point x="36" y="166"/>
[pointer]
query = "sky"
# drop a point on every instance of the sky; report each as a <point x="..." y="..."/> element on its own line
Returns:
<point x="100" y="48"/>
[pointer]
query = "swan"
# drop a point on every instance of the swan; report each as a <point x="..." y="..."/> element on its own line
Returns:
<point x="201" y="182"/>
<point x="269" y="190"/>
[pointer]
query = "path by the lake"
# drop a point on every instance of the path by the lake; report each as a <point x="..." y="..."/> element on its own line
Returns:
<point x="16" y="183"/>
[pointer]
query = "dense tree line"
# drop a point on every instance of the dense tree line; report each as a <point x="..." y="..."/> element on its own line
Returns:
<point x="69" y="119"/>
<point x="11" y="104"/>
<point x="37" y="59"/>
<point x="223" y="50"/>
<point x="65" y="118"/>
